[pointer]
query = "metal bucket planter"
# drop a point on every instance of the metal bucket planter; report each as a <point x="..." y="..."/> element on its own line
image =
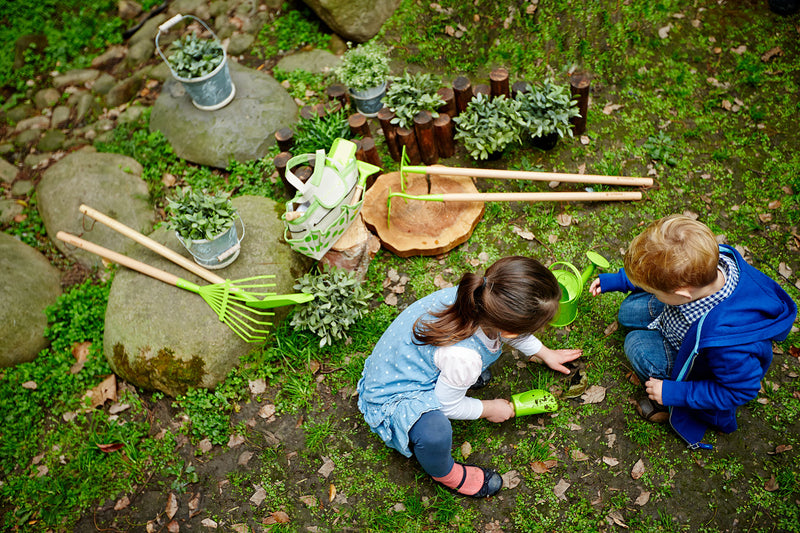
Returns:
<point x="369" y="102"/>
<point x="218" y="252"/>
<point x="213" y="91"/>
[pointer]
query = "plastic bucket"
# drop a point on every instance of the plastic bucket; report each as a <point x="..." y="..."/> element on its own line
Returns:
<point x="369" y="102"/>
<point x="218" y="252"/>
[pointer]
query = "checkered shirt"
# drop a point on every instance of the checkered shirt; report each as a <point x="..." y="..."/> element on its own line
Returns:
<point x="675" y="320"/>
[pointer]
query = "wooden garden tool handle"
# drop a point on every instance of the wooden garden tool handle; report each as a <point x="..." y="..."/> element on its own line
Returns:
<point x="539" y="196"/>
<point x="120" y="259"/>
<point x="536" y="176"/>
<point x="147" y="242"/>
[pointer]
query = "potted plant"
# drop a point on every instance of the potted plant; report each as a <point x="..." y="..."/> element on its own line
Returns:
<point x="545" y="111"/>
<point x="206" y="226"/>
<point x="364" y="70"/>
<point x="201" y="65"/>
<point x="411" y="93"/>
<point x="488" y="125"/>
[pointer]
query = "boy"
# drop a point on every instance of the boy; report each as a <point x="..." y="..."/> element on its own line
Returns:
<point x="702" y="323"/>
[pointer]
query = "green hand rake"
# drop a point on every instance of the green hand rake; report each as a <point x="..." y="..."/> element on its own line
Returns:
<point x="259" y="301"/>
<point x="517" y="174"/>
<point x="226" y="299"/>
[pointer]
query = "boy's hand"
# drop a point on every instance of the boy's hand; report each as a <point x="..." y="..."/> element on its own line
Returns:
<point x="653" y="387"/>
<point x="594" y="288"/>
<point x="498" y="410"/>
<point x="555" y="359"/>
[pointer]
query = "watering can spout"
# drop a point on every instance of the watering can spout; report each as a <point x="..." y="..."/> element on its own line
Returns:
<point x="595" y="261"/>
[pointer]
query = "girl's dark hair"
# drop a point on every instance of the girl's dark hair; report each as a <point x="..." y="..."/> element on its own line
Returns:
<point x="516" y="295"/>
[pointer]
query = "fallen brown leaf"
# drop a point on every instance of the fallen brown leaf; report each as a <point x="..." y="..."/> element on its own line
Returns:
<point x="309" y="500"/>
<point x="106" y="390"/>
<point x="771" y="485"/>
<point x="610" y="461"/>
<point x="267" y="411"/>
<point x="564" y="219"/>
<point x="172" y="505"/>
<point x="235" y="440"/>
<point x="122" y="503"/>
<point x="331" y="492"/>
<point x="638" y="469"/>
<point x="173" y="526"/>
<point x="30" y="385"/>
<point x="194" y="505"/>
<point x="244" y="458"/>
<point x="207" y="522"/>
<point x="527" y="235"/>
<point x="616" y="517"/>
<point x="278" y="517"/>
<point x="560" y="488"/>
<point x="610" y="108"/>
<point x="643" y="498"/>
<point x="258" y="496"/>
<point x="327" y="467"/>
<point x="257" y="386"/>
<point x="772" y="52"/>
<point x="594" y="394"/>
<point x="80" y="350"/>
<point x="578" y="455"/>
<point x="511" y="479"/>
<point x="614" y="326"/>
<point x="663" y="32"/>
<point x="108" y="448"/>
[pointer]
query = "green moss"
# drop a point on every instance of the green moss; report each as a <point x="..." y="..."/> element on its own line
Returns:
<point x="163" y="372"/>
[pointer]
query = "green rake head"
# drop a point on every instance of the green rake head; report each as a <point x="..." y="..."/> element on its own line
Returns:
<point x="406" y="197"/>
<point x="230" y="300"/>
<point x="406" y="167"/>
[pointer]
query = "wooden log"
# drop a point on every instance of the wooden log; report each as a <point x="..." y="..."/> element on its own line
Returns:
<point x="449" y="97"/>
<point x="280" y="162"/>
<point x="426" y="140"/>
<point x="338" y="92"/>
<point x="462" y="89"/>
<point x="498" y="79"/>
<point x="307" y="112"/>
<point x="385" y="117"/>
<point x="408" y="140"/>
<point x="320" y="109"/>
<point x="520" y="87"/>
<point x="303" y="173"/>
<point x="371" y="156"/>
<point x="579" y="86"/>
<point x="359" y="149"/>
<point x="444" y="131"/>
<point x="354" y="250"/>
<point x="285" y="139"/>
<point x="482" y="88"/>
<point x="359" y="125"/>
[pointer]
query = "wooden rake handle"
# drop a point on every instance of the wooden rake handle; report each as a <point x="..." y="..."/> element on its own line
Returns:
<point x="528" y="175"/>
<point x="528" y="196"/>
<point x="118" y="258"/>
<point x="149" y="243"/>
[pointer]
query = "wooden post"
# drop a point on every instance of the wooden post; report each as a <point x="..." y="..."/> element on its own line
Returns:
<point x="579" y="85"/>
<point x="338" y="92"/>
<point x="359" y="149"/>
<point x="426" y="142"/>
<point x="449" y="97"/>
<point x="462" y="88"/>
<point x="307" y="112"/>
<point x="285" y="139"/>
<point x="320" y="109"/>
<point x="358" y="125"/>
<point x="385" y="116"/>
<point x="482" y="88"/>
<point x="520" y="87"/>
<point x="498" y="79"/>
<point x="371" y="156"/>
<point x="444" y="130"/>
<point x="407" y="139"/>
<point x="280" y="162"/>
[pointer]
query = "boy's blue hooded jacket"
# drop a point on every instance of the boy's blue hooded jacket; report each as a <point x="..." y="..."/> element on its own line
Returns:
<point x="725" y="353"/>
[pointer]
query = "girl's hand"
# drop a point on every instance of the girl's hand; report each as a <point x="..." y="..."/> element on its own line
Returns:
<point x="594" y="288"/>
<point x="653" y="387"/>
<point x="498" y="410"/>
<point x="555" y="359"/>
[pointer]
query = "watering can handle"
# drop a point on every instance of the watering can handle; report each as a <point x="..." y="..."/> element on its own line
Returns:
<point x="170" y="23"/>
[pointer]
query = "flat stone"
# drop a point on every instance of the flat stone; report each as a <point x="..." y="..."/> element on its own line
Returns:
<point x="124" y="91"/>
<point x="75" y="77"/>
<point x="240" y="43"/>
<point x="131" y="114"/>
<point x="139" y="52"/>
<point x="164" y="338"/>
<point x="20" y="112"/>
<point x="314" y="61"/>
<point x="34" y="160"/>
<point x="32" y="284"/>
<point x="6" y="148"/>
<point x="51" y="141"/>
<point x="104" y="83"/>
<point x="27" y="137"/>
<point x="355" y="20"/>
<point x="46" y="98"/>
<point x="128" y="9"/>
<point x="86" y="107"/>
<point x="110" y="57"/>
<point x="60" y="116"/>
<point x="22" y="188"/>
<point x="40" y="122"/>
<point x="110" y="183"/>
<point x="8" y="210"/>
<point x="8" y="172"/>
<point x="148" y="30"/>
<point x="242" y="130"/>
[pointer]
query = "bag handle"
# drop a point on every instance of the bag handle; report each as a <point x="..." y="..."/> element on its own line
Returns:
<point x="319" y="164"/>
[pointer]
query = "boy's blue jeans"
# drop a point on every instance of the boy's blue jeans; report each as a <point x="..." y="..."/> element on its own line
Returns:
<point x="651" y="355"/>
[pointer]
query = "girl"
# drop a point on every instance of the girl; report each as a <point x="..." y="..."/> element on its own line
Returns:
<point x="417" y="376"/>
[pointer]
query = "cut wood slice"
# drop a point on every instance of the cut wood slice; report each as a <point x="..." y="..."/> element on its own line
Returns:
<point x="421" y="228"/>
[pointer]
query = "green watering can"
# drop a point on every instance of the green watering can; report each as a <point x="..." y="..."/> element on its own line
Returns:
<point x="571" y="283"/>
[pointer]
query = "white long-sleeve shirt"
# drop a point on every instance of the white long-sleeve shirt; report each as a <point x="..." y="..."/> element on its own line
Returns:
<point x="460" y="368"/>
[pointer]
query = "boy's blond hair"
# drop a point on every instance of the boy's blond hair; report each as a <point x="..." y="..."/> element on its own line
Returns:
<point x="673" y="253"/>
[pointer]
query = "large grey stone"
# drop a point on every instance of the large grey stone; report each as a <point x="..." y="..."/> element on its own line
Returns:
<point x="110" y="183"/>
<point x="243" y="130"/>
<point x="315" y="61"/>
<point x="355" y="20"/>
<point x="160" y="337"/>
<point x="148" y="30"/>
<point x="8" y="172"/>
<point x="76" y="77"/>
<point x="9" y="209"/>
<point x="28" y="284"/>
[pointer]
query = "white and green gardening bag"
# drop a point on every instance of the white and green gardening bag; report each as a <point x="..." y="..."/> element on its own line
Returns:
<point x="326" y="205"/>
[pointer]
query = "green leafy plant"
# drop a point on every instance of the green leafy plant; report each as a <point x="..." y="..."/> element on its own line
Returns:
<point x="547" y="108"/>
<point x="193" y="57"/>
<point x="411" y="93"/>
<point x="320" y="132"/>
<point x="660" y="147"/>
<point x="290" y="31"/>
<point x="197" y="216"/>
<point x="209" y="414"/>
<point x="364" y="67"/>
<point x="339" y="300"/>
<point x="488" y="125"/>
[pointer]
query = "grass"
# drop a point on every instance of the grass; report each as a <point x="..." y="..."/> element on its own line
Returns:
<point x="735" y="169"/>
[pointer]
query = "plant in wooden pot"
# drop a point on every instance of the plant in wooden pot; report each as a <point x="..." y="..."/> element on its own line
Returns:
<point x="545" y="110"/>
<point x="201" y="65"/>
<point x="411" y="93"/>
<point x="364" y="70"/>
<point x="206" y="226"/>
<point x="488" y="125"/>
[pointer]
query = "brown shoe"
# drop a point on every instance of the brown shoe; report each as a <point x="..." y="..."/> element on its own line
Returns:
<point x="652" y="411"/>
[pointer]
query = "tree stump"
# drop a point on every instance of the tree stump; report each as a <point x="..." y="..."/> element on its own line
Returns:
<point x="354" y="250"/>
<point x="421" y="227"/>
